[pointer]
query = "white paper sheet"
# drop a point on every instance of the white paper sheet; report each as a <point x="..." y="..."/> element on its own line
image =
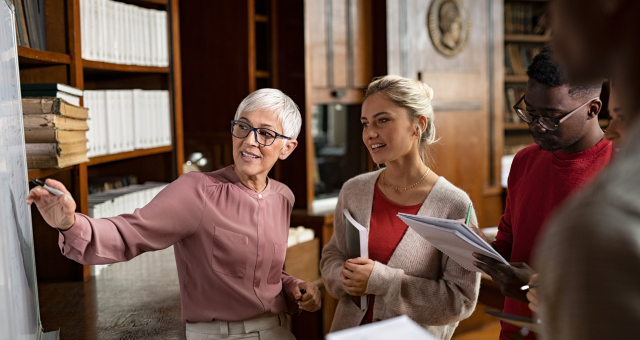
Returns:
<point x="453" y="238"/>
<point x="401" y="327"/>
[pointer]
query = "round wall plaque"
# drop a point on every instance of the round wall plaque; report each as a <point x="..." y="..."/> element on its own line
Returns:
<point x="449" y="26"/>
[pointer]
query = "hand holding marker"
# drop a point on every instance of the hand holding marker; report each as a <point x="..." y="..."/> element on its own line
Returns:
<point x="46" y="187"/>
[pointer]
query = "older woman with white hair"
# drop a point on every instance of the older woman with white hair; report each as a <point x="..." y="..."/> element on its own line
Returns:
<point x="404" y="274"/>
<point x="229" y="230"/>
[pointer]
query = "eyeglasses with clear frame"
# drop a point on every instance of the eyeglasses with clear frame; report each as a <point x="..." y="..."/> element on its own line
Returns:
<point x="263" y="136"/>
<point x="548" y="123"/>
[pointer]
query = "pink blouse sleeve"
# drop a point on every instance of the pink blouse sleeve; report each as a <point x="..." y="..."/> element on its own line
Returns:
<point x="174" y="214"/>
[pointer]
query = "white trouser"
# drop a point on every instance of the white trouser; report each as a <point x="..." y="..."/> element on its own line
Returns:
<point x="273" y="327"/>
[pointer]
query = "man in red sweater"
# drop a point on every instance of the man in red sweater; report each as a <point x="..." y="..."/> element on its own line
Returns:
<point x="569" y="151"/>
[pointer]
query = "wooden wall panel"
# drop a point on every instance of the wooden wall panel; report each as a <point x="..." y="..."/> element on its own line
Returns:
<point x="361" y="24"/>
<point x="316" y="41"/>
<point x="339" y="28"/>
<point x="214" y="74"/>
<point x="467" y="92"/>
<point x="339" y="47"/>
<point x="290" y="16"/>
<point x="54" y="15"/>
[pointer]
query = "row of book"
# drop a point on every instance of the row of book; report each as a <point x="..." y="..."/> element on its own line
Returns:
<point x="30" y="23"/>
<point x="512" y="95"/>
<point x="55" y="133"/>
<point x="517" y="58"/>
<point x="125" y="120"/>
<point x="104" y="184"/>
<point x="120" y="33"/>
<point x="523" y="18"/>
<point x="121" y="201"/>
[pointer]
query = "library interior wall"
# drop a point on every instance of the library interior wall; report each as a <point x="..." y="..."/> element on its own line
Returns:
<point x="467" y="101"/>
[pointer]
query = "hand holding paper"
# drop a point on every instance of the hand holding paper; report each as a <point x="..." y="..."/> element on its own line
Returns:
<point x="357" y="238"/>
<point x="508" y="277"/>
<point x="453" y="238"/>
<point x="355" y="275"/>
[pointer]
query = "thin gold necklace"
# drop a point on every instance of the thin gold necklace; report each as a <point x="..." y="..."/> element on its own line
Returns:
<point x="384" y="178"/>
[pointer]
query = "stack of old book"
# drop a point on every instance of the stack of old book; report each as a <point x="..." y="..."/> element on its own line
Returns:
<point x="55" y="133"/>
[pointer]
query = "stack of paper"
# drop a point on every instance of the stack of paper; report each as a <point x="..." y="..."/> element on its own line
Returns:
<point x="453" y="238"/>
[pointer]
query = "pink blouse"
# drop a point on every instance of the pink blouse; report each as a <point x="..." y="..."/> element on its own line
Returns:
<point x="230" y="243"/>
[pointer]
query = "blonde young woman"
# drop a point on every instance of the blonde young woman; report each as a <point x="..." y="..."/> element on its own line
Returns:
<point x="406" y="274"/>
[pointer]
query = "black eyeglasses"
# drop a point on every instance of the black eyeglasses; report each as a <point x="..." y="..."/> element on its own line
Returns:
<point x="548" y="123"/>
<point x="263" y="136"/>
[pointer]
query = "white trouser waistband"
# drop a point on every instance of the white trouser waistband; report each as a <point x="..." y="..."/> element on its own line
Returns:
<point x="224" y="328"/>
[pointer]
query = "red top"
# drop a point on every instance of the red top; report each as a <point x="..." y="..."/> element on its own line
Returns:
<point x="539" y="181"/>
<point x="385" y="232"/>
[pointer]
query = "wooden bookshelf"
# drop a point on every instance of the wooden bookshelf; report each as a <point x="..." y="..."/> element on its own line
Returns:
<point x="42" y="173"/>
<point x="64" y="64"/>
<point x="524" y="15"/>
<point x="30" y="56"/>
<point x="99" y="65"/>
<point x="129" y="154"/>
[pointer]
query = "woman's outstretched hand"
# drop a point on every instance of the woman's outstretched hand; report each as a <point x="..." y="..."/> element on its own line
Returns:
<point x="57" y="211"/>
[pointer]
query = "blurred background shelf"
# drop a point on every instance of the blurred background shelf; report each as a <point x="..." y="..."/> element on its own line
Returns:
<point x="129" y="154"/>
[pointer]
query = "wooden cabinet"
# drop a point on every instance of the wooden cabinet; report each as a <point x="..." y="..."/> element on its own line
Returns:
<point x="338" y="49"/>
<point x="62" y="63"/>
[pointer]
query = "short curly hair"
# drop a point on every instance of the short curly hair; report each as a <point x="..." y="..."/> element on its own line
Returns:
<point x="547" y="72"/>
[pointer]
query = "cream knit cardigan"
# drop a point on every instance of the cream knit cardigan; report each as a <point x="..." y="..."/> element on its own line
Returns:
<point x="419" y="280"/>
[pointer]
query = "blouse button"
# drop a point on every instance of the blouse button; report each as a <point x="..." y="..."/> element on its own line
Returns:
<point x="259" y="195"/>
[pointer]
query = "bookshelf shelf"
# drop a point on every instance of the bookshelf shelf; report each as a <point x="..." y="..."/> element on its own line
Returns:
<point x="130" y="154"/>
<point x="42" y="173"/>
<point x="30" y="56"/>
<point x="516" y="79"/>
<point x="158" y="2"/>
<point x="527" y="38"/>
<point x="102" y="66"/>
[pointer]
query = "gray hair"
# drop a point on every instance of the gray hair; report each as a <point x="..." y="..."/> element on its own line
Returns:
<point x="413" y="95"/>
<point x="274" y="100"/>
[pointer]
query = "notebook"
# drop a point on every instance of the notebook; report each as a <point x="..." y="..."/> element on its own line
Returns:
<point x="357" y="238"/>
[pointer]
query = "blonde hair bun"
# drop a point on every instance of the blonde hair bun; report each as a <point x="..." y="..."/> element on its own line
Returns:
<point x="427" y="89"/>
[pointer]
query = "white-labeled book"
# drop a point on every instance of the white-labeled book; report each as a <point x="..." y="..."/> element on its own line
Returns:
<point x="357" y="238"/>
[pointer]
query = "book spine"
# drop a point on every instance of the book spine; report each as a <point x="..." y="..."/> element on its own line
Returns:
<point x="40" y="21"/>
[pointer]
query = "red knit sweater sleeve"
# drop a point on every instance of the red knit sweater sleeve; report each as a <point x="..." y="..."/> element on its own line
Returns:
<point x="504" y="238"/>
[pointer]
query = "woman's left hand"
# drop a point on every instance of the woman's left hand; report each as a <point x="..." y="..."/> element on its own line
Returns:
<point x="355" y="275"/>
<point x="311" y="300"/>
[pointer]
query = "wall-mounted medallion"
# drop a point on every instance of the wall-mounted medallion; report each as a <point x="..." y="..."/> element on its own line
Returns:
<point x="449" y="26"/>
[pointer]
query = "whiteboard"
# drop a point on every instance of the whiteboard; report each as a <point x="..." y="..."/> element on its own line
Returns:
<point x="19" y="312"/>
